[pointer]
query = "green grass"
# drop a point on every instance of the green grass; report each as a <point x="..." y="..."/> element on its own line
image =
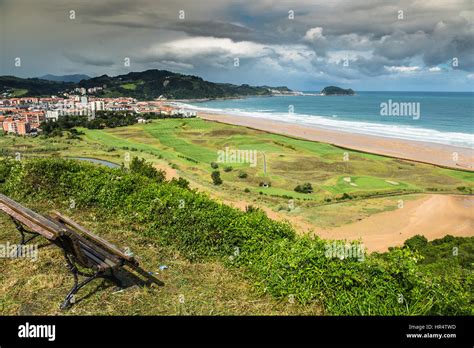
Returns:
<point x="131" y="209"/>
<point x="18" y="92"/>
<point x="129" y="86"/>
<point x="290" y="162"/>
<point x="38" y="288"/>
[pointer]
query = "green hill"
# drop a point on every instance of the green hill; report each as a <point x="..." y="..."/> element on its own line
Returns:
<point x="333" y="90"/>
<point x="19" y="87"/>
<point x="143" y="85"/>
<point x="151" y="84"/>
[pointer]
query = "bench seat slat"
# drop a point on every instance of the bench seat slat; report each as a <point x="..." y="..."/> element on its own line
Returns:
<point x="28" y="213"/>
<point x="101" y="265"/>
<point x="33" y="221"/>
<point x="101" y="258"/>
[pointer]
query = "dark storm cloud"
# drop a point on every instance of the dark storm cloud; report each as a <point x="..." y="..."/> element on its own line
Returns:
<point x="89" y="59"/>
<point x="376" y="37"/>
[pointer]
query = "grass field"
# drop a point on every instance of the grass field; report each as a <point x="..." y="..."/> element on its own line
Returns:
<point x="191" y="145"/>
<point x="375" y="184"/>
<point x="206" y="288"/>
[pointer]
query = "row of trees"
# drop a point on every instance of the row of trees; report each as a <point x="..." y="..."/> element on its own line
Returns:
<point x="102" y="120"/>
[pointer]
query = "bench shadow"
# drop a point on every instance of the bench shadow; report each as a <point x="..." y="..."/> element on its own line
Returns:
<point x="127" y="280"/>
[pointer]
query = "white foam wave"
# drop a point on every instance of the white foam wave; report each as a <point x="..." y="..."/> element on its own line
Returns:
<point x="384" y="130"/>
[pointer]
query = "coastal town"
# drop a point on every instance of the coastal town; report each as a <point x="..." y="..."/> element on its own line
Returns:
<point x="23" y="116"/>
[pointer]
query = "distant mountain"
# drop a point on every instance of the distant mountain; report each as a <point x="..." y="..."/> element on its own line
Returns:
<point x="333" y="90"/>
<point x="18" y="87"/>
<point x="145" y="85"/>
<point x="151" y="84"/>
<point x="65" y="78"/>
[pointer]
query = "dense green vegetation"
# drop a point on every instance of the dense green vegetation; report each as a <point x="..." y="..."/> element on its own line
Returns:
<point x="19" y="87"/>
<point x="216" y="177"/>
<point x="151" y="84"/>
<point x="419" y="278"/>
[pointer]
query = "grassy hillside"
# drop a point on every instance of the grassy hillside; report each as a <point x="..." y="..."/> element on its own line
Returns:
<point x="267" y="253"/>
<point x="189" y="146"/>
<point x="208" y="288"/>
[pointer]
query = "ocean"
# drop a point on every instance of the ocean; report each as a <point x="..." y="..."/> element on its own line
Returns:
<point x="438" y="117"/>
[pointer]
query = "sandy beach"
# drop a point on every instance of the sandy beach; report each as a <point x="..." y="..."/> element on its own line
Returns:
<point x="433" y="216"/>
<point x="438" y="154"/>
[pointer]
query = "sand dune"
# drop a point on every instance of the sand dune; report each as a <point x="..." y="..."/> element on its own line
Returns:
<point x="433" y="216"/>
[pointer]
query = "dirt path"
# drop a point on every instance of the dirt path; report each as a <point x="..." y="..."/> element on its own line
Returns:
<point x="433" y="216"/>
<point x="170" y="173"/>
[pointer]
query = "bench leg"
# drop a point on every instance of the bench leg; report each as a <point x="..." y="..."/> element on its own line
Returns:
<point x="22" y="231"/>
<point x="77" y="286"/>
<point x="68" y="300"/>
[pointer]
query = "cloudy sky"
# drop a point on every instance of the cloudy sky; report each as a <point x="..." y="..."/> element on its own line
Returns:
<point x="303" y="44"/>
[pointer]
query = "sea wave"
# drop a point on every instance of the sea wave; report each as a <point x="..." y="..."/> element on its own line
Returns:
<point x="368" y="128"/>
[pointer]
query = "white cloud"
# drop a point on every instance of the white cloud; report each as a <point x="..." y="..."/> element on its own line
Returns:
<point x="207" y="46"/>
<point x="402" y="69"/>
<point x="314" y="34"/>
<point x="434" y="69"/>
<point x="221" y="52"/>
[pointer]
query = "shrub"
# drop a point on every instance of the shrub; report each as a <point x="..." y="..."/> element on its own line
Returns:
<point x="242" y="175"/>
<point x="417" y="242"/>
<point x="214" y="165"/>
<point x="140" y="166"/>
<point x="304" y="188"/>
<point x="216" y="177"/>
<point x="228" y="169"/>
<point x="181" y="182"/>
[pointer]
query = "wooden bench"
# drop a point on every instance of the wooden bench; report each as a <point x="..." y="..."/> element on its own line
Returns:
<point x="81" y="248"/>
